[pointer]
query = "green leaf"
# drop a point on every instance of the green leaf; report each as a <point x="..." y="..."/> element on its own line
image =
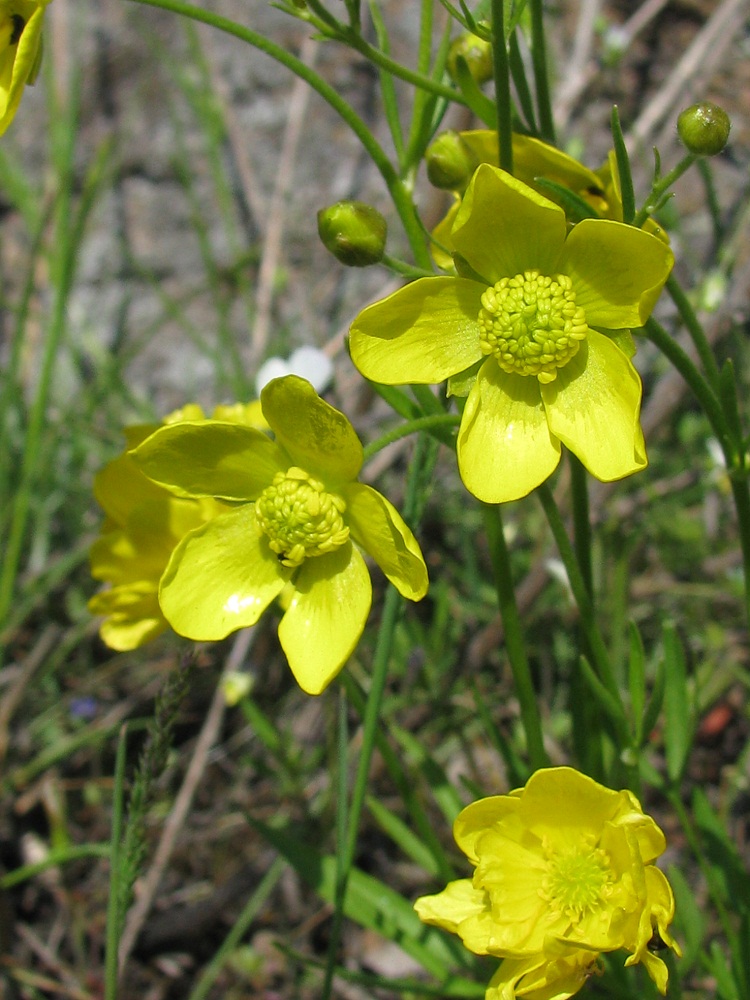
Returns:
<point x="637" y="680"/>
<point x="372" y="904"/>
<point x="403" y="836"/>
<point x="679" y="722"/>
<point x="623" y="167"/>
<point x="690" y="922"/>
<point x="729" y="879"/>
<point x="575" y="207"/>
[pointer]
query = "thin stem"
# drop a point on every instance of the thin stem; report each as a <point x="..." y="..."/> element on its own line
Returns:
<point x="438" y="421"/>
<point x="585" y="605"/>
<point x="660" y="188"/>
<point x="541" y="78"/>
<point x="701" y="389"/>
<point x="694" y="328"/>
<point x="581" y="520"/>
<point x="502" y="87"/>
<point x="513" y="637"/>
<point x="741" y="495"/>
<point x="392" y="606"/>
<point x="400" y="195"/>
<point x="340" y="32"/>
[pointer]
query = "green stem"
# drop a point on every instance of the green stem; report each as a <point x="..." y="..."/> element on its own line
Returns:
<point x="741" y="495"/>
<point x="700" y="387"/>
<point x="440" y="420"/>
<point x="114" y="916"/>
<point x="513" y="636"/>
<point x="541" y="78"/>
<point x="502" y="87"/>
<point x="392" y="606"/>
<point x="400" y="195"/>
<point x="695" y="329"/>
<point x="583" y="600"/>
<point x="660" y="188"/>
<point x="405" y="270"/>
<point x="342" y="33"/>
<point x="581" y="520"/>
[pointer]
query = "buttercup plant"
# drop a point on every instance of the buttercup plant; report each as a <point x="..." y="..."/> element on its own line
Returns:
<point x="297" y="512"/>
<point x="541" y="305"/>
<point x="564" y="871"/>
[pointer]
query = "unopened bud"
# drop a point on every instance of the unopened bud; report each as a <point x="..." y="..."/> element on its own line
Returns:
<point x="704" y="128"/>
<point x="450" y="162"/>
<point x="354" y="232"/>
<point x="476" y="52"/>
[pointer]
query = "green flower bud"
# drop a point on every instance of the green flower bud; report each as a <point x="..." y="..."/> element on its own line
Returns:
<point x="450" y="162"/>
<point x="354" y="232"/>
<point x="478" y="55"/>
<point x="704" y="128"/>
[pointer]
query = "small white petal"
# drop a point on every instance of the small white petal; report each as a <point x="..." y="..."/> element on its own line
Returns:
<point x="268" y="371"/>
<point x="312" y="364"/>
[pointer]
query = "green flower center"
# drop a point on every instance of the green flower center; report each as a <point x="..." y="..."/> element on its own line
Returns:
<point x="576" y="881"/>
<point x="531" y="324"/>
<point x="300" y="518"/>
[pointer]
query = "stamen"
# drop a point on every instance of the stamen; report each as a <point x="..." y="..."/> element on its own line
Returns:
<point x="300" y="519"/>
<point x="531" y="324"/>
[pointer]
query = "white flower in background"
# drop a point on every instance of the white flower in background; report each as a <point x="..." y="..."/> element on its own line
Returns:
<point x="307" y="362"/>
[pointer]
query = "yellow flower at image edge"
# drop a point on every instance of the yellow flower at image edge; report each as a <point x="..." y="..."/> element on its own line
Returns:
<point x="144" y="522"/>
<point x="563" y="871"/>
<point x="550" y="312"/>
<point x="298" y="511"/>
<point x="20" y="52"/>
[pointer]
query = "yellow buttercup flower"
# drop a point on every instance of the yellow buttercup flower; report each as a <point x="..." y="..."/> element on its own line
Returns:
<point x="563" y="871"/>
<point x="20" y="52"/>
<point x="299" y="517"/>
<point x="549" y="311"/>
<point x="143" y="526"/>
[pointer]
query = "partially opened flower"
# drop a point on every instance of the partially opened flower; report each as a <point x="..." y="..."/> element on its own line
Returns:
<point x="299" y="516"/>
<point x="563" y="871"/>
<point x="20" y="52"/>
<point x="541" y="306"/>
<point x="144" y="523"/>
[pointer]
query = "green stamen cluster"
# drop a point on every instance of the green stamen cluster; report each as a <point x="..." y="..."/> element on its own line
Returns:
<point x="300" y="518"/>
<point x="531" y="324"/>
<point x="576" y="881"/>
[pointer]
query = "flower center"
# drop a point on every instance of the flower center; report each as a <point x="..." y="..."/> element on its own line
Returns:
<point x="531" y="324"/>
<point x="300" y="518"/>
<point x="576" y="881"/>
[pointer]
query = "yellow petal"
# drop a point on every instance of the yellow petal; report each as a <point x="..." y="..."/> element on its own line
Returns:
<point x="421" y="334"/>
<point x="505" y="449"/>
<point x="210" y="459"/>
<point x="593" y="407"/>
<point x="380" y="530"/>
<point x="317" y="437"/>
<point x="131" y="614"/>
<point x="19" y="62"/>
<point x="504" y="227"/>
<point x="459" y="901"/>
<point x="221" y="577"/>
<point x="326" y="616"/>
<point x="473" y="821"/>
<point x="617" y="271"/>
<point x="120" y="486"/>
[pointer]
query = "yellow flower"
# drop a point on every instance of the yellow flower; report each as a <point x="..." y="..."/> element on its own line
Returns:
<point x="20" y="52"/>
<point x="297" y="510"/>
<point x="563" y="871"/>
<point x="144" y="524"/>
<point x="549" y="311"/>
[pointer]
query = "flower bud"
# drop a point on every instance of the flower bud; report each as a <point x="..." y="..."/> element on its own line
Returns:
<point x="478" y="55"/>
<point x="354" y="232"/>
<point x="450" y="162"/>
<point x="704" y="128"/>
